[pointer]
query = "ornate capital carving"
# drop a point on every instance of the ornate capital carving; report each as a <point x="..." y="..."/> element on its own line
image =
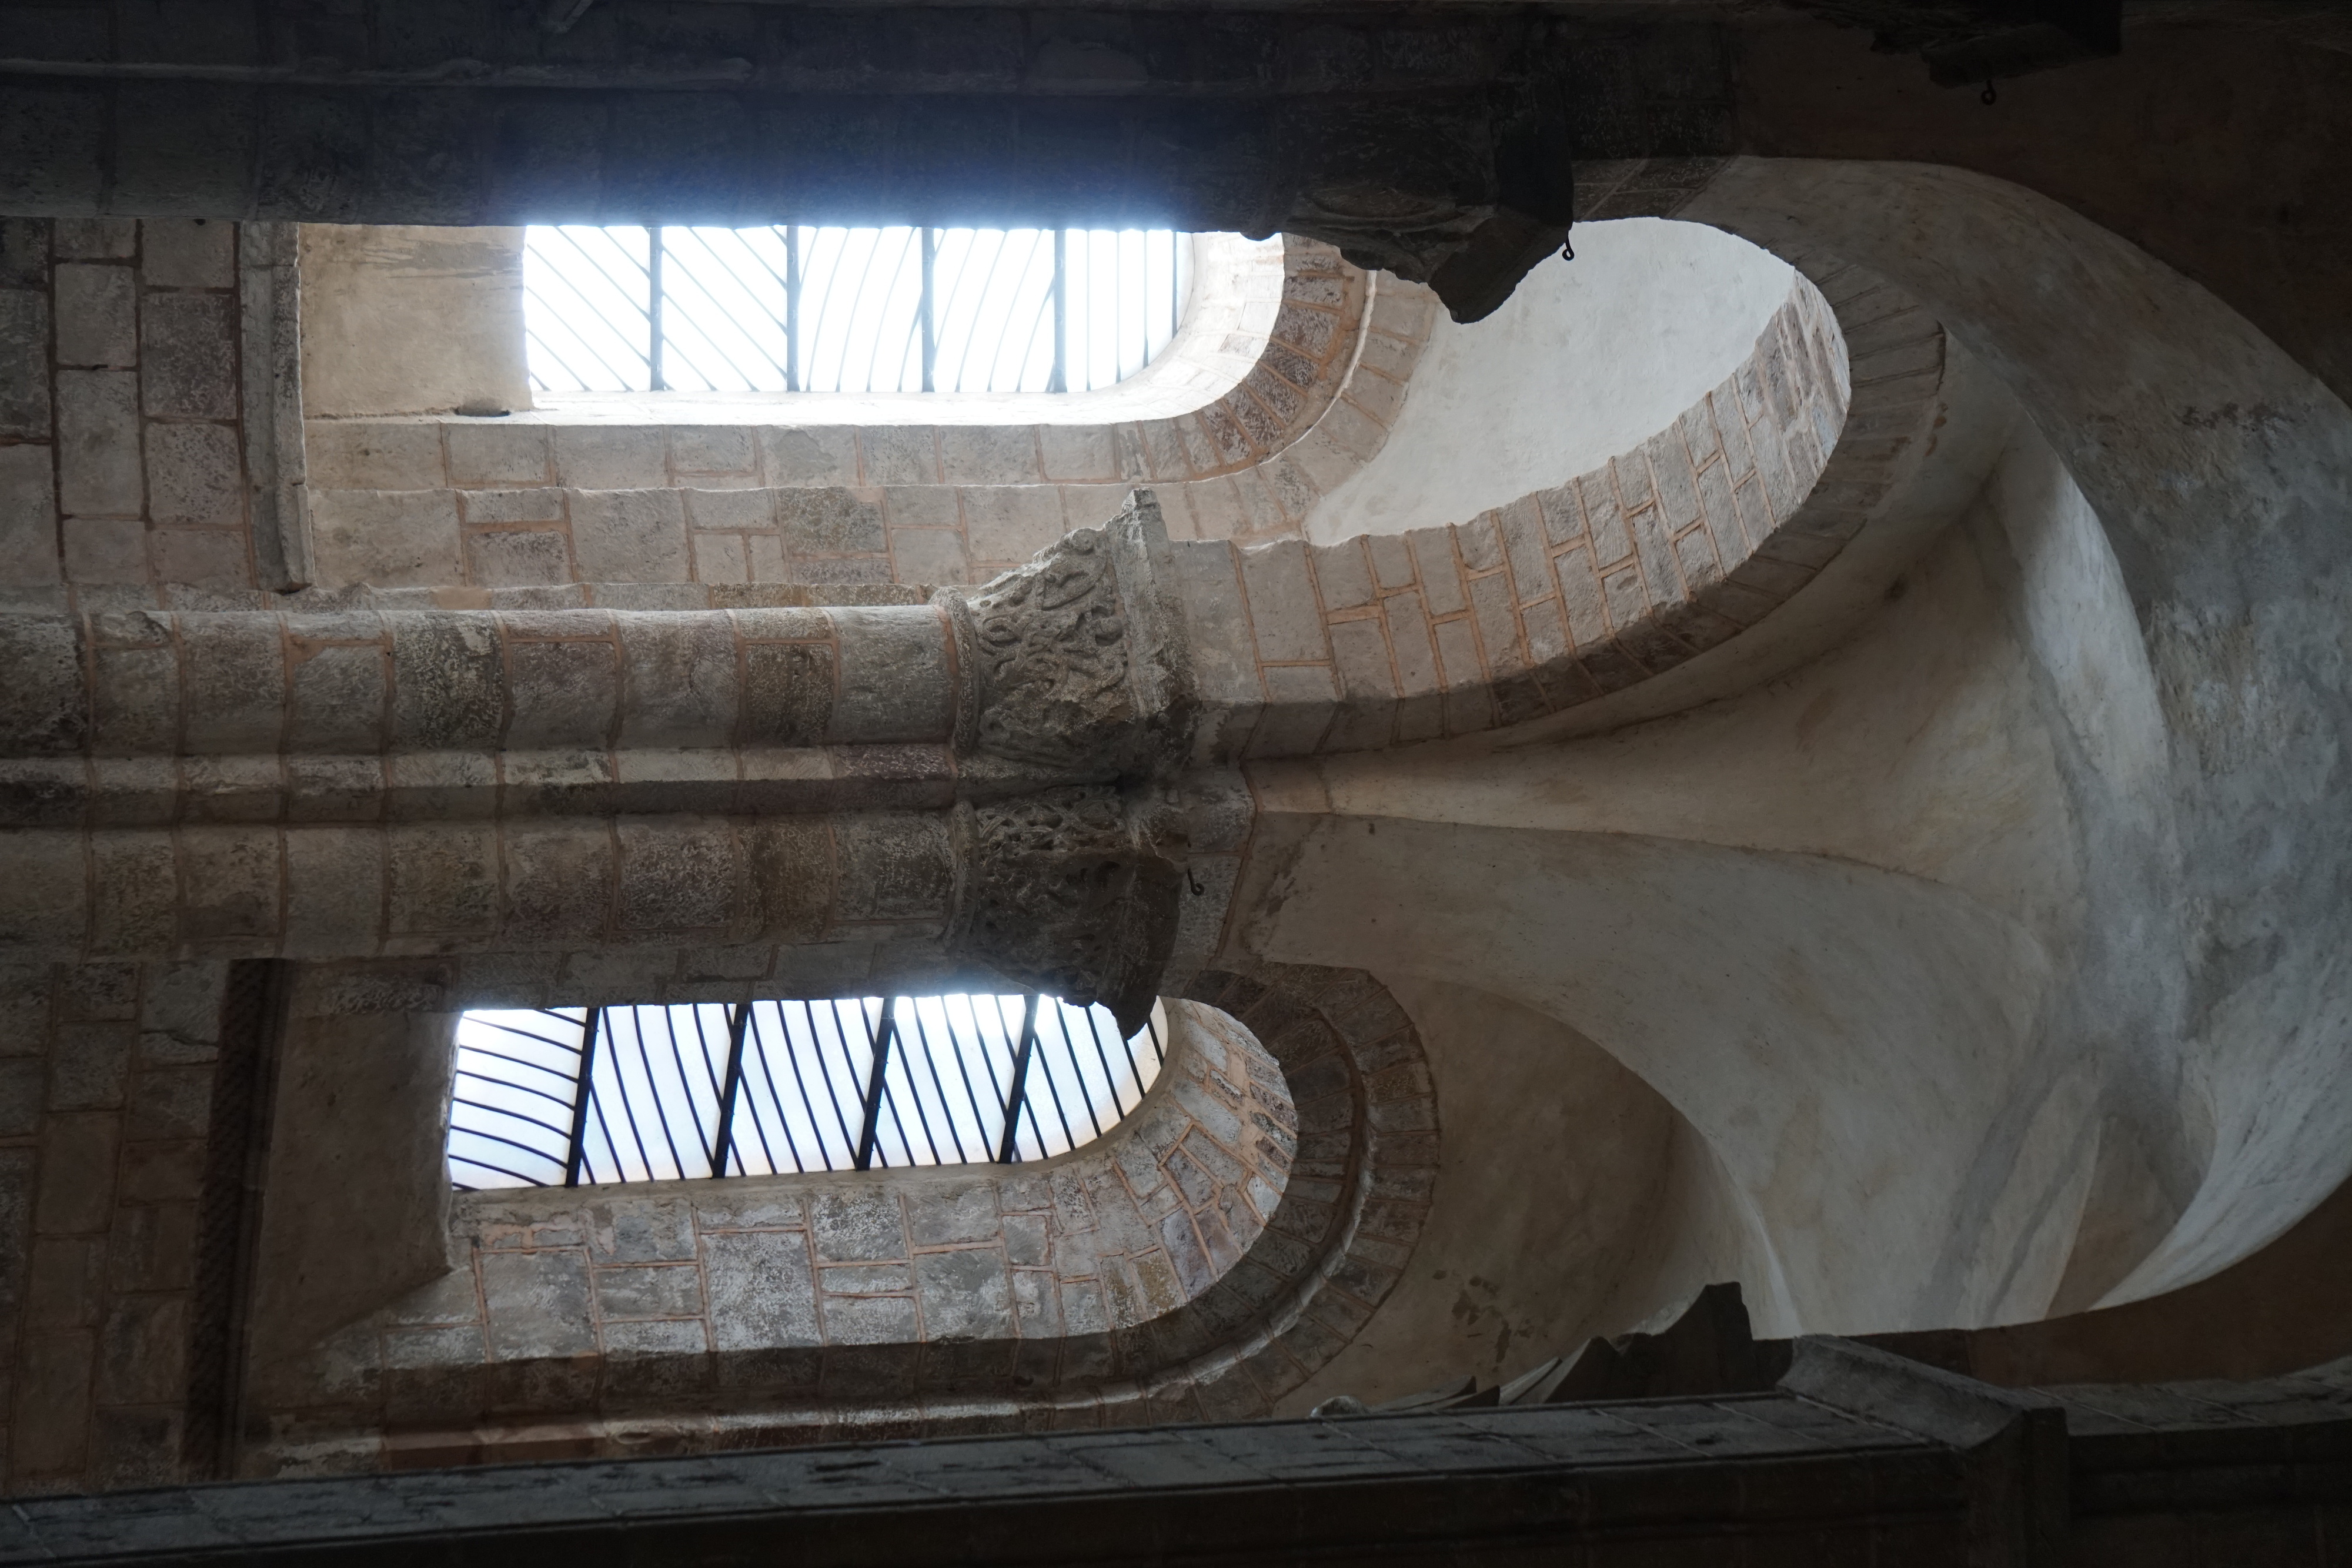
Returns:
<point x="1070" y="667"/>
<point x="1068" y="891"/>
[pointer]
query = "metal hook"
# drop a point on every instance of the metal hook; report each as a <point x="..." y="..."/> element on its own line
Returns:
<point x="1194" y="881"/>
<point x="1568" y="250"/>
<point x="1988" y="96"/>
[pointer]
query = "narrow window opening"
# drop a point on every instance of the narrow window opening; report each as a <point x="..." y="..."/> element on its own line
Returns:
<point x="572" y="1096"/>
<point x="794" y="307"/>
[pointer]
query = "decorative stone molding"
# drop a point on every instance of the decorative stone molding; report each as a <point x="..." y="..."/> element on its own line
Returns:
<point x="1050" y="660"/>
<point x="1074" y="664"/>
<point x="1199" y="1261"/>
<point x="1067" y="891"/>
<point x="373" y="784"/>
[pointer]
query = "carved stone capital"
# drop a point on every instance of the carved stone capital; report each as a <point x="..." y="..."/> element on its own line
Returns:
<point x="1071" y="892"/>
<point x="1071" y="665"/>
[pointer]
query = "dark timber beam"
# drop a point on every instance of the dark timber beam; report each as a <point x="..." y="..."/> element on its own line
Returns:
<point x="1437" y="146"/>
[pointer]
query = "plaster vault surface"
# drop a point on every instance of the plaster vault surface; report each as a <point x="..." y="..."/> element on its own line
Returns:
<point x="1801" y="749"/>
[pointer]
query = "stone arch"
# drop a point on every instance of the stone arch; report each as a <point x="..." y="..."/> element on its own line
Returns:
<point x="2145" y="383"/>
<point x="2183" y="617"/>
<point x="1572" y="593"/>
<point x="1281" y="390"/>
<point x="1229" y="1238"/>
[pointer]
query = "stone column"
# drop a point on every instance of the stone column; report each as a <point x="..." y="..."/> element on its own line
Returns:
<point x="987" y="782"/>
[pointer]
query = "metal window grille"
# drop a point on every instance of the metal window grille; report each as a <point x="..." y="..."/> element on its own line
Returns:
<point x="565" y="1096"/>
<point x="793" y="308"/>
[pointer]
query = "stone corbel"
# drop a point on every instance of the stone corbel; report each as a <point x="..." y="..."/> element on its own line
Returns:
<point x="1074" y="728"/>
<point x="1076" y="892"/>
<point x="1072" y="669"/>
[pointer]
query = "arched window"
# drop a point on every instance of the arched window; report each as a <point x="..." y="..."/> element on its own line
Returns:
<point x="791" y="308"/>
<point x="778" y="1087"/>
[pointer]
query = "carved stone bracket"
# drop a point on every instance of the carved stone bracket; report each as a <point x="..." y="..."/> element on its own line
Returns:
<point x="1074" y="723"/>
<point x="1068" y="668"/>
<point x="1072" y="891"/>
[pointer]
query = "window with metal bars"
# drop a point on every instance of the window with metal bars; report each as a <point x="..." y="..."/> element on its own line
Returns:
<point x="568" y="1096"/>
<point x="790" y="308"/>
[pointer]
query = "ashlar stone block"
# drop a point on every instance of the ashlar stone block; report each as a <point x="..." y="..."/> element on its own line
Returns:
<point x="932" y="556"/>
<point x="97" y="315"/>
<point x="386" y="539"/>
<point x="518" y="558"/>
<point x="796" y="457"/>
<point x="493" y="453"/>
<point x="827" y="522"/>
<point x="857" y="1226"/>
<point x="187" y="253"/>
<point x="630" y="536"/>
<point x="762" y="1289"/>
<point x="28" y="513"/>
<point x="537" y="1304"/>
<point x="964" y="1294"/>
<point x="667" y="1290"/>
<point x="187" y="363"/>
<point x="194" y="475"/>
<point x="99" y="470"/>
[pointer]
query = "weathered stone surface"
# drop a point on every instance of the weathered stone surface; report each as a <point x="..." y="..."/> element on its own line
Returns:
<point x="187" y="355"/>
<point x="1073" y="673"/>
<point x="858" y="1227"/>
<point x="98" y="316"/>
<point x="537" y="1306"/>
<point x="194" y="476"/>
<point x="24" y="363"/>
<point x="964" y="1294"/>
<point x="762" y="1292"/>
<point x="98" y="443"/>
<point x="1068" y="893"/>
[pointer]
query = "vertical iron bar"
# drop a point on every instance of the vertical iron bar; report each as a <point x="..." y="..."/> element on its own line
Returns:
<point x="1061" y="378"/>
<point x="776" y="1094"/>
<point x="722" y="1143"/>
<point x="1110" y="1079"/>
<point x="800" y="1081"/>
<point x="1069" y="1138"/>
<point x="1134" y="1067"/>
<point x="882" y="1036"/>
<point x="1013" y="1101"/>
<point x="628" y="1106"/>
<point x="832" y="1094"/>
<point x="791" y="308"/>
<point x="755" y="1045"/>
<point x="580" y="1098"/>
<point x="654" y="306"/>
<point x="964" y="1070"/>
<point x="932" y="1059"/>
<point x="652" y="1084"/>
<point x="930" y="326"/>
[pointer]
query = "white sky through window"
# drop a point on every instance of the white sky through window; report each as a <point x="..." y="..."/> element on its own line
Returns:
<point x="841" y="309"/>
<point x="696" y="1090"/>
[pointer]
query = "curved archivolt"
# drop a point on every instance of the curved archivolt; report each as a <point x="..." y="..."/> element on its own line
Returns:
<point x="1199" y="1261"/>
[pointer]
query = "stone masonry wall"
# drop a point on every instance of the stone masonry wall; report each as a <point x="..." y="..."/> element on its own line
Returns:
<point x="1199" y="1261"/>
<point x="552" y="508"/>
<point x="796" y="1309"/>
<point x="106" y="1084"/>
<point x="121" y="443"/>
